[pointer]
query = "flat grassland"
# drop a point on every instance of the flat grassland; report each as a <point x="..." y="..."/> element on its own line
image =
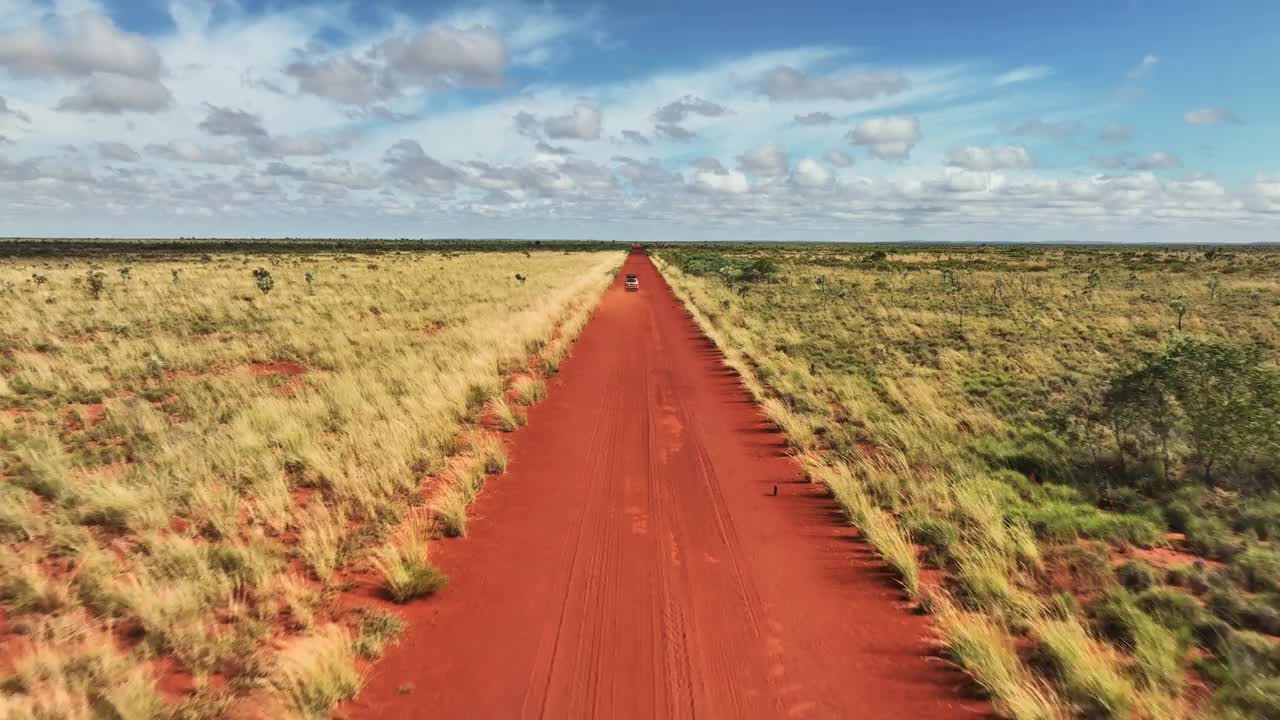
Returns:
<point x="1070" y="457"/>
<point x="199" y="452"/>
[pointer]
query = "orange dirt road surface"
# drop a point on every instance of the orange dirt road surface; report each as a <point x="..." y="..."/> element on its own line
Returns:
<point x="634" y="562"/>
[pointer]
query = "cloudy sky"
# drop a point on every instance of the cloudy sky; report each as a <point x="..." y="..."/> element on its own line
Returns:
<point x="912" y="120"/>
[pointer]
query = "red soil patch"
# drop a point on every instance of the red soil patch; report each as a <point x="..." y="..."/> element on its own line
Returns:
<point x="175" y="683"/>
<point x="15" y="644"/>
<point x="291" y="371"/>
<point x="285" y="368"/>
<point x="1167" y="557"/>
<point x="16" y="412"/>
<point x="634" y="561"/>
<point x="83" y="416"/>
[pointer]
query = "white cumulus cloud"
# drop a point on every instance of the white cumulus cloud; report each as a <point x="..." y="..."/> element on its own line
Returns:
<point x="766" y="160"/>
<point x="730" y="183"/>
<point x="114" y="94"/>
<point x="810" y="173"/>
<point x="887" y="138"/>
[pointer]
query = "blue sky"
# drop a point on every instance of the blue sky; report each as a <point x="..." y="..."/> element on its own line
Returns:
<point x="915" y="120"/>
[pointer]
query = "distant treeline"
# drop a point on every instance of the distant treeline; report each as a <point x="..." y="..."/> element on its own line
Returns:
<point x="88" y="247"/>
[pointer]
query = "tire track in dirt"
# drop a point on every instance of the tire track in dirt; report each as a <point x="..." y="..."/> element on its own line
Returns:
<point x="633" y="563"/>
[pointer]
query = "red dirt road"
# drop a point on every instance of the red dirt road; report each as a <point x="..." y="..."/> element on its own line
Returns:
<point x="634" y="563"/>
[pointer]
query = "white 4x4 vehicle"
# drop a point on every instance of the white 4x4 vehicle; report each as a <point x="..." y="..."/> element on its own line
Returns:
<point x="632" y="282"/>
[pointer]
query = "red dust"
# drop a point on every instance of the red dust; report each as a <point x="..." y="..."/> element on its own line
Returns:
<point x="635" y="563"/>
<point x="1169" y="557"/>
<point x="282" y="368"/>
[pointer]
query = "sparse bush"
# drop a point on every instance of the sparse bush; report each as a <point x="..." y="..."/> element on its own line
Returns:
<point x="1157" y="651"/>
<point x="506" y="417"/>
<point x="987" y="653"/>
<point x="1257" y="569"/>
<point x="262" y="278"/>
<point x="1212" y="538"/>
<point x="478" y="396"/>
<point x="319" y="540"/>
<point x="1137" y="575"/>
<point x="377" y="628"/>
<point x="1065" y="652"/>
<point x="1174" y="609"/>
<point x="449" y="506"/>
<point x="406" y="572"/>
<point x="488" y="450"/>
<point x="1227" y="603"/>
<point x="316" y="673"/>
<point x="529" y="390"/>
<point x="938" y="536"/>
<point x="96" y="281"/>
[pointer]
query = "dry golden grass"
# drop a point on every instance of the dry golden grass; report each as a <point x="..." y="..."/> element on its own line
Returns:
<point x="190" y="447"/>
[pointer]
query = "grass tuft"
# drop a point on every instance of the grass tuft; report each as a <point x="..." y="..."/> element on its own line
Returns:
<point x="377" y="629"/>
<point x="507" y="417"/>
<point x="529" y="390"/>
<point x="406" y="571"/>
<point x="316" y="673"/>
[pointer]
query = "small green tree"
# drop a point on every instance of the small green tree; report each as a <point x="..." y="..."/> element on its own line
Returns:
<point x="96" y="281"/>
<point x="1217" y="398"/>
<point x="262" y="277"/>
<point x="1180" y="306"/>
<point x="1231" y="402"/>
<point x="952" y="288"/>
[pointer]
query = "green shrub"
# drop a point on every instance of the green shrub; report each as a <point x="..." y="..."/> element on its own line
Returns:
<point x="1258" y="569"/>
<point x="1137" y="575"/>
<point x="376" y="629"/>
<point x="1242" y="654"/>
<point x="1116" y="616"/>
<point x="1187" y="576"/>
<point x="1212" y="538"/>
<point x="1157" y="652"/>
<point x="1178" y="515"/>
<point x="1173" y="609"/>
<point x="1227" y="603"/>
<point x="403" y="563"/>
<point x="1261" y="518"/>
<point x="1088" y="565"/>
<point x="1062" y="522"/>
<point x="1252" y="697"/>
<point x="1028" y="449"/>
<point x="1064" y="652"/>
<point x="938" y="536"/>
<point x="1212" y="632"/>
